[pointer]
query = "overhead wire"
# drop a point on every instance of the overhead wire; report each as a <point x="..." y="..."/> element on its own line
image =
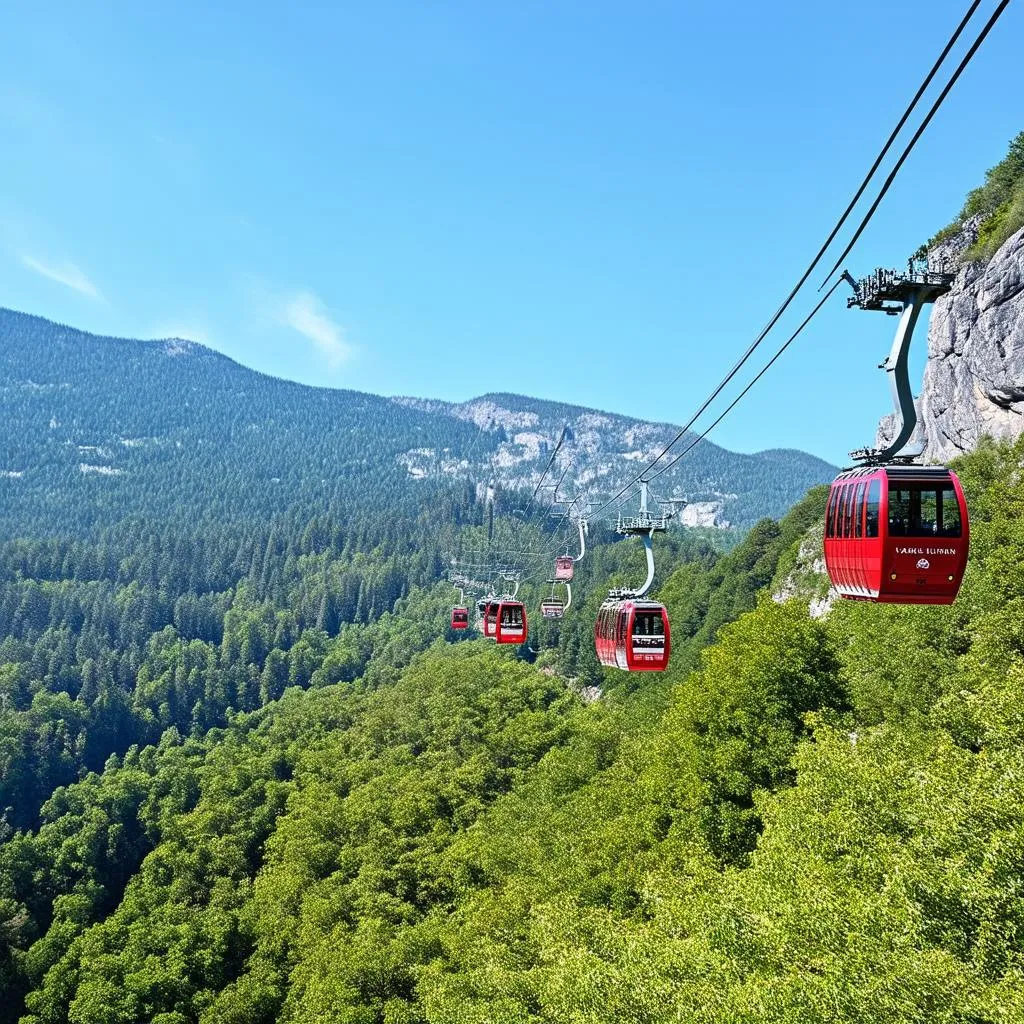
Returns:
<point x="764" y="369"/>
<point x="481" y="430"/>
<point x="835" y="230"/>
<point x="968" y="56"/>
<point x="562" y="519"/>
<point x="518" y="558"/>
<point x="560" y="479"/>
<point x="543" y="559"/>
<point x="547" y="469"/>
<point x="787" y="302"/>
<point x="963" y="64"/>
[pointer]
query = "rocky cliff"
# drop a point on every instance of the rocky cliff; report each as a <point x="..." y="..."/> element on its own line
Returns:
<point x="974" y="380"/>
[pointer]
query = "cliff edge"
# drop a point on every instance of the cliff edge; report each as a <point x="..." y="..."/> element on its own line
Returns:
<point x="974" y="379"/>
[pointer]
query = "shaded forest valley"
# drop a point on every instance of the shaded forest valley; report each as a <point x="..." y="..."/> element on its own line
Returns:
<point x="249" y="774"/>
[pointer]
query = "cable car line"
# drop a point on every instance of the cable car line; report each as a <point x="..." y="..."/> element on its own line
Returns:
<point x="547" y="469"/>
<point x="504" y="619"/>
<point x="481" y="430"/>
<point x="873" y="501"/>
<point x="523" y="552"/>
<point x="517" y="609"/>
<point x="514" y="554"/>
<point x="559" y="484"/>
<point x="543" y="559"/>
<point x="764" y="369"/>
<point x="810" y="268"/>
<point x="940" y="60"/>
<point x="975" y="46"/>
<point x="520" y="522"/>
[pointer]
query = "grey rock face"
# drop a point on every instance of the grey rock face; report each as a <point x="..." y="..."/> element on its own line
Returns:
<point x="950" y="253"/>
<point x="888" y="426"/>
<point x="974" y="379"/>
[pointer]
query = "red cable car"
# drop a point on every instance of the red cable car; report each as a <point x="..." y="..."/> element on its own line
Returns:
<point x="460" y="618"/>
<point x="552" y="609"/>
<point x="633" y="635"/>
<point x="897" y="534"/>
<point x="505" y="621"/>
<point x="565" y="566"/>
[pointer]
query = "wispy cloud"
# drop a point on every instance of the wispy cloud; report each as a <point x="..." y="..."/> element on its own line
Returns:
<point x="66" y="274"/>
<point x="304" y="312"/>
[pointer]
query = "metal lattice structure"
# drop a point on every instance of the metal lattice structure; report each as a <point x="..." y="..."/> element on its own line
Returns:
<point x="890" y="291"/>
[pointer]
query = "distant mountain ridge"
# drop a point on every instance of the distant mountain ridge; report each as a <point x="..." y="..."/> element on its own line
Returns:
<point x="95" y="429"/>
<point x="605" y="450"/>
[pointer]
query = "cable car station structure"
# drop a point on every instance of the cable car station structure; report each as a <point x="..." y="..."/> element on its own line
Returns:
<point x="902" y="294"/>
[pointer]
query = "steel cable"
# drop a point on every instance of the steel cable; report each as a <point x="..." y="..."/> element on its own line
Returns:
<point x="917" y="135"/>
<point x="838" y="226"/>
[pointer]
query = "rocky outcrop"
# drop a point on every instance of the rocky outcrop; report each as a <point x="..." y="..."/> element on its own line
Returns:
<point x="802" y="575"/>
<point x="974" y="380"/>
<point x="703" y="513"/>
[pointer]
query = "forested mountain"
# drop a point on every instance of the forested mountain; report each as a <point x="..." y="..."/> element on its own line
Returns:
<point x="803" y="819"/>
<point x="99" y="428"/>
<point x="248" y="774"/>
<point x="603" y="451"/>
<point x="138" y="667"/>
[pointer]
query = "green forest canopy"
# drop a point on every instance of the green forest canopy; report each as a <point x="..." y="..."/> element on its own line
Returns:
<point x="813" y="820"/>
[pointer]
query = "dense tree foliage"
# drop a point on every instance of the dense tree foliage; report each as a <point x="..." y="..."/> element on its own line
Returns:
<point x="248" y="773"/>
<point x="805" y="819"/>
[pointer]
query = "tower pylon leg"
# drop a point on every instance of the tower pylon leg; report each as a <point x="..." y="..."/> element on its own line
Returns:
<point x="897" y="367"/>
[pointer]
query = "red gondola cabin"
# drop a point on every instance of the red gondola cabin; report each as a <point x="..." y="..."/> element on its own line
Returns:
<point x="897" y="534"/>
<point x="460" y="618"/>
<point x="552" y="609"/>
<point x="633" y="635"/>
<point x="505" y="621"/>
<point x="564" y="568"/>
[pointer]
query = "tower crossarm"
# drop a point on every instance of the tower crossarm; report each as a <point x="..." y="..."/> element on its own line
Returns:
<point x="643" y="523"/>
<point x="888" y="291"/>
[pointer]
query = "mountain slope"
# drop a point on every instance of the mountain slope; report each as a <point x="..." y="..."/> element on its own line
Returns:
<point x="817" y="821"/>
<point x="119" y="427"/>
<point x="98" y="428"/>
<point x="603" y="451"/>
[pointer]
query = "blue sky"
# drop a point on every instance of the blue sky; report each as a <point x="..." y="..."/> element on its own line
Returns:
<point x="597" y="203"/>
